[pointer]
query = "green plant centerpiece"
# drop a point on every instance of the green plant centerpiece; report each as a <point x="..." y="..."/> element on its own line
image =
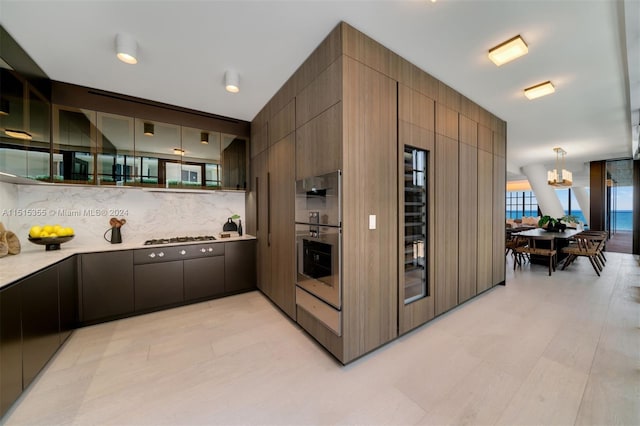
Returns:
<point x="556" y="224"/>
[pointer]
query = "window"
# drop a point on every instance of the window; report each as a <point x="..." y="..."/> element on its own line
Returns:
<point x="521" y="203"/>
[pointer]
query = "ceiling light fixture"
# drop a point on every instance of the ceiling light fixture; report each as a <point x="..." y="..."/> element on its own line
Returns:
<point x="508" y="51"/>
<point x="204" y="138"/>
<point x="18" y="134"/>
<point x="232" y="81"/>
<point x="126" y="49"/>
<point x="149" y="129"/>
<point x="4" y="107"/>
<point x="565" y="178"/>
<point x="539" y="90"/>
<point x="178" y="151"/>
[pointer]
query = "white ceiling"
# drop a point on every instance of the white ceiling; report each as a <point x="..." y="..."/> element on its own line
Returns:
<point x="583" y="47"/>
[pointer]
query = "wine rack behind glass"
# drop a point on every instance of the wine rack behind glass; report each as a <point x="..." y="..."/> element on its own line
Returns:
<point x="415" y="224"/>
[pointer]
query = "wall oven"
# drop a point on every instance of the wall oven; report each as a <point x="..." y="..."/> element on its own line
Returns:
<point x="318" y="248"/>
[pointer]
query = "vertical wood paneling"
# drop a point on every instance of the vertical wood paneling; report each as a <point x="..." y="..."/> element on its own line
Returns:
<point x="446" y="224"/>
<point x="367" y="51"/>
<point x="485" y="221"/>
<point x="259" y="170"/>
<point x="468" y="222"/>
<point x="449" y="97"/>
<point x="282" y="191"/>
<point x="319" y="144"/>
<point x="411" y="76"/>
<point x="415" y="108"/>
<point x="324" y="92"/>
<point x="499" y="189"/>
<point x="468" y="131"/>
<point x="370" y="188"/>
<point x="485" y="138"/>
<point x="323" y="56"/>
<point x="500" y="143"/>
<point x="283" y="122"/>
<point x="446" y="121"/>
<point x="259" y="138"/>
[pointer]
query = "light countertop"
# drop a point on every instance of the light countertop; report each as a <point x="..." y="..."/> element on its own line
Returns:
<point x="33" y="258"/>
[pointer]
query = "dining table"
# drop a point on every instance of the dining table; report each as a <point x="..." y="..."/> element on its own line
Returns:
<point x="556" y="241"/>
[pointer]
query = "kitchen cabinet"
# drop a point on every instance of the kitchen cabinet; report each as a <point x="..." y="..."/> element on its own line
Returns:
<point x="239" y="266"/>
<point x="273" y="190"/>
<point x="204" y="278"/>
<point x="25" y="151"/>
<point x="68" y="297"/>
<point x="485" y="221"/>
<point x="40" y="321"/>
<point x="10" y="346"/>
<point x="158" y="285"/>
<point x="468" y="210"/>
<point x="446" y="230"/>
<point x="106" y="285"/>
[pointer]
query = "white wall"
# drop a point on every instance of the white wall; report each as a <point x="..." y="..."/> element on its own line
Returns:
<point x="88" y="210"/>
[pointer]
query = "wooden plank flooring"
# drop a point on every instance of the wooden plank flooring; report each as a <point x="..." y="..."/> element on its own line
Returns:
<point x="559" y="350"/>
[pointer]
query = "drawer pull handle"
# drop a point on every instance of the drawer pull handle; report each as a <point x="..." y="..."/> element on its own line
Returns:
<point x="203" y="250"/>
<point x="183" y="252"/>
<point x="152" y="255"/>
<point x="161" y="254"/>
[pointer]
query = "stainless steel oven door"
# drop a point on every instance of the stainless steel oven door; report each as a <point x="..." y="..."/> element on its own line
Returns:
<point x="318" y="262"/>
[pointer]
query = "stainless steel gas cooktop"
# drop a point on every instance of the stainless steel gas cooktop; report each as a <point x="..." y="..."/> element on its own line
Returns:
<point x="185" y="239"/>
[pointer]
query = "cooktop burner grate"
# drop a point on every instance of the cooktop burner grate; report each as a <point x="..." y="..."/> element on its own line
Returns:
<point x="184" y="239"/>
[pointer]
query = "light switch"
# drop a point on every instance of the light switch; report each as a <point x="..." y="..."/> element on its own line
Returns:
<point x="372" y="221"/>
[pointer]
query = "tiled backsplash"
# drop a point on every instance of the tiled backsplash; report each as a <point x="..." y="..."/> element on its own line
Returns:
<point x="149" y="214"/>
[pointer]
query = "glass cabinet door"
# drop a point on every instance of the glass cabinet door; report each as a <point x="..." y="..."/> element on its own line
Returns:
<point x="415" y="224"/>
<point x="25" y="148"/>
<point x="74" y="145"/>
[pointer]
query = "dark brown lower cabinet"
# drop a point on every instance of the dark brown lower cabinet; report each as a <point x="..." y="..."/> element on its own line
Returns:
<point x="239" y="266"/>
<point x="68" y="297"/>
<point x="106" y="285"/>
<point x="204" y="278"/>
<point x="158" y="285"/>
<point x="40" y="321"/>
<point x="10" y="347"/>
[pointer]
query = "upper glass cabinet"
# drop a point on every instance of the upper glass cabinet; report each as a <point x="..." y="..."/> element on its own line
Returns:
<point x="24" y="128"/>
<point x="109" y="149"/>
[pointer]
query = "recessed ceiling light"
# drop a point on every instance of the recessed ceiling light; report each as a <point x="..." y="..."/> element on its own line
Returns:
<point x="232" y="81"/>
<point x="126" y="49"/>
<point x="18" y="134"/>
<point x="539" y="90"/>
<point x="508" y="51"/>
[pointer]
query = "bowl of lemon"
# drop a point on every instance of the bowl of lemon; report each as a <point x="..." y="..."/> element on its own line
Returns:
<point x="50" y="236"/>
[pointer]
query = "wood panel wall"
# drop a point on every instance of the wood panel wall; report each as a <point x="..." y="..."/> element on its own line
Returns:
<point x="345" y="97"/>
<point x="369" y="188"/>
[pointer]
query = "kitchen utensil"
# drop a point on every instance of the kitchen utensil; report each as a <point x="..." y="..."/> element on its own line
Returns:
<point x="116" y="234"/>
<point x="230" y="226"/>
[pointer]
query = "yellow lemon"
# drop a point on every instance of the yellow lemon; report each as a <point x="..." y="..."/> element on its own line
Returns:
<point x="53" y="235"/>
<point x="68" y="230"/>
<point x="48" y="229"/>
<point x="34" y="232"/>
<point x="44" y="234"/>
<point x="62" y="232"/>
<point x="57" y="228"/>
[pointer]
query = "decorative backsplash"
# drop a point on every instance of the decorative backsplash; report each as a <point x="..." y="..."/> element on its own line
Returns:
<point x="149" y="214"/>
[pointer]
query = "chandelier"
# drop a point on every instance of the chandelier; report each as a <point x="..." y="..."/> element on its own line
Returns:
<point x="559" y="176"/>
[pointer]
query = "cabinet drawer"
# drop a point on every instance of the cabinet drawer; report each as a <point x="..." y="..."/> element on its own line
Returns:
<point x="323" y="312"/>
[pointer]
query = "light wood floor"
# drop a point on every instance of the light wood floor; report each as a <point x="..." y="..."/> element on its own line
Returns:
<point x="559" y="350"/>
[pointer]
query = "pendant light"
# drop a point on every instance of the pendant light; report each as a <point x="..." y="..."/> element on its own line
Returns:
<point x="126" y="49"/>
<point x="232" y="81"/>
<point x="560" y="177"/>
